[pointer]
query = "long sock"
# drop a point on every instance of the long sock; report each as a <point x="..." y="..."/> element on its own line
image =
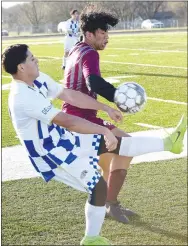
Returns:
<point x="64" y="61"/>
<point x="134" y="146"/>
<point x="94" y="219"/>
<point x="115" y="182"/>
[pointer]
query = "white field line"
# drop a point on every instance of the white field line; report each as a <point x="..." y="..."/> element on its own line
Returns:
<point x="150" y="35"/>
<point x="6" y="76"/>
<point x="6" y="87"/>
<point x="139" y="41"/>
<point x="38" y="43"/>
<point x="112" y="81"/>
<point x="154" y="52"/>
<point x="148" y="125"/>
<point x="171" y="42"/>
<point x="166" y="101"/>
<point x="142" y="49"/>
<point x="143" y="65"/>
<point x="123" y="76"/>
<point x="115" y="79"/>
<point x="43" y="59"/>
<point x="128" y="63"/>
<point x="50" y="57"/>
<point x="134" y="54"/>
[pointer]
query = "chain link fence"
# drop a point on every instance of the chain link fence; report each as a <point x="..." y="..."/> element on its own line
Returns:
<point x="50" y="28"/>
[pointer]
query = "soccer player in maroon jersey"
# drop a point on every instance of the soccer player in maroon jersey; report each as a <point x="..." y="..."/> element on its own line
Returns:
<point x="82" y="73"/>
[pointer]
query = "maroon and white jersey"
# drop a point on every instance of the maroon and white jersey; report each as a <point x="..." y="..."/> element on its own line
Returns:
<point x="83" y="61"/>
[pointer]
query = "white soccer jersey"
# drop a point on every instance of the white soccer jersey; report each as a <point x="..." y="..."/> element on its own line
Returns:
<point x="50" y="146"/>
<point x="73" y="26"/>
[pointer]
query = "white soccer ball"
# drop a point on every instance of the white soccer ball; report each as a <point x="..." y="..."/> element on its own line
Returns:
<point x="130" y="97"/>
<point x="61" y="27"/>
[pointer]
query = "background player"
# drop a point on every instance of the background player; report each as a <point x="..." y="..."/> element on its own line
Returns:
<point x="72" y="34"/>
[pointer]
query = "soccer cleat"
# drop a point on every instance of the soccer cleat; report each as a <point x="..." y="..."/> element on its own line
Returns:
<point x="174" y="142"/>
<point x="114" y="210"/>
<point x="125" y="211"/>
<point x="97" y="240"/>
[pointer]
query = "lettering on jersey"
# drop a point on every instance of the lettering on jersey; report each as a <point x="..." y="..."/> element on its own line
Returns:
<point x="83" y="174"/>
<point x="47" y="109"/>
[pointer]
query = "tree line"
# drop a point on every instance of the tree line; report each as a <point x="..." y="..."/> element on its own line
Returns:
<point x="39" y="13"/>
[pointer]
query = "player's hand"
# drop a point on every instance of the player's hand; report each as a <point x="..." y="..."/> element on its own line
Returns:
<point x="115" y="114"/>
<point x="110" y="140"/>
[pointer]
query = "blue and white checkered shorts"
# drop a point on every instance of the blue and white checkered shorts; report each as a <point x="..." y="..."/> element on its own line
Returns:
<point x="84" y="172"/>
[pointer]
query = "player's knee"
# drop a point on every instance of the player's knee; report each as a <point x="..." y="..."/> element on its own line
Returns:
<point x="121" y="162"/>
<point x="99" y="194"/>
<point x="104" y="162"/>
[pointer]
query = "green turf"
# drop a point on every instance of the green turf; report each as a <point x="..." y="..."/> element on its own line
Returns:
<point x="36" y="213"/>
<point x="159" y="117"/>
<point x="6" y="80"/>
<point x="159" y="82"/>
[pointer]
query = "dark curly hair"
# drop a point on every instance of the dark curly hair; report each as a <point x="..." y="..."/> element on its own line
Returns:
<point x="92" y="19"/>
<point x="73" y="11"/>
<point x="13" y="56"/>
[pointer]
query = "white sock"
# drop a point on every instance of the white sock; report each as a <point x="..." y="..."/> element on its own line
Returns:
<point x="64" y="61"/>
<point x="134" y="146"/>
<point x="94" y="219"/>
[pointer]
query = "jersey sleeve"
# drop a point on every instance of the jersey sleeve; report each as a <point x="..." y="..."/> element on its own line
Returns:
<point x="54" y="88"/>
<point x="39" y="108"/>
<point x="91" y="64"/>
<point x="67" y="26"/>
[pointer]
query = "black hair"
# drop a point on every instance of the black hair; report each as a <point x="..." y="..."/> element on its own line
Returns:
<point x="73" y="11"/>
<point x="91" y="20"/>
<point x="13" y="56"/>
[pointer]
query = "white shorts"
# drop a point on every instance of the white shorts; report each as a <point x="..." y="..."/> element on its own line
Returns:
<point x="84" y="172"/>
<point x="69" y="43"/>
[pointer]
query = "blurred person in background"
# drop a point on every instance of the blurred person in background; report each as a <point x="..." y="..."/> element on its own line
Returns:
<point x="71" y="34"/>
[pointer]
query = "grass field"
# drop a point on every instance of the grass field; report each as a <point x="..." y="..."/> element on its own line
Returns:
<point x="52" y="214"/>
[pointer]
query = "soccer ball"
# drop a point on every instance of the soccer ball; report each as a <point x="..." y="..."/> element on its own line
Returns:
<point x="130" y="97"/>
<point x="61" y="27"/>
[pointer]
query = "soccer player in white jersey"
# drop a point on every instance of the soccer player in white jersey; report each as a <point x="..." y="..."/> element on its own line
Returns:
<point x="71" y="34"/>
<point x="54" y="148"/>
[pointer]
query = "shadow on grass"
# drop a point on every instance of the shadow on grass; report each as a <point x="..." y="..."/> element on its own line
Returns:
<point x="136" y="221"/>
<point x="106" y="74"/>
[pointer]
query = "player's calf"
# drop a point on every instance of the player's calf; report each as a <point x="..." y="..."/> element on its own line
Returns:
<point x="99" y="194"/>
<point x="95" y="212"/>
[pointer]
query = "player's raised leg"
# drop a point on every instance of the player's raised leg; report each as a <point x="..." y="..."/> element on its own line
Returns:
<point x="135" y="146"/>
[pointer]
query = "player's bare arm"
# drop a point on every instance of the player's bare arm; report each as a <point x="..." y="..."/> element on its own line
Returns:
<point x="84" y="101"/>
<point x="77" y="124"/>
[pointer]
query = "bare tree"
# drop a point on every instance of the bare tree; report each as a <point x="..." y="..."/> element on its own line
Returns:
<point x="147" y="10"/>
<point x="34" y="12"/>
